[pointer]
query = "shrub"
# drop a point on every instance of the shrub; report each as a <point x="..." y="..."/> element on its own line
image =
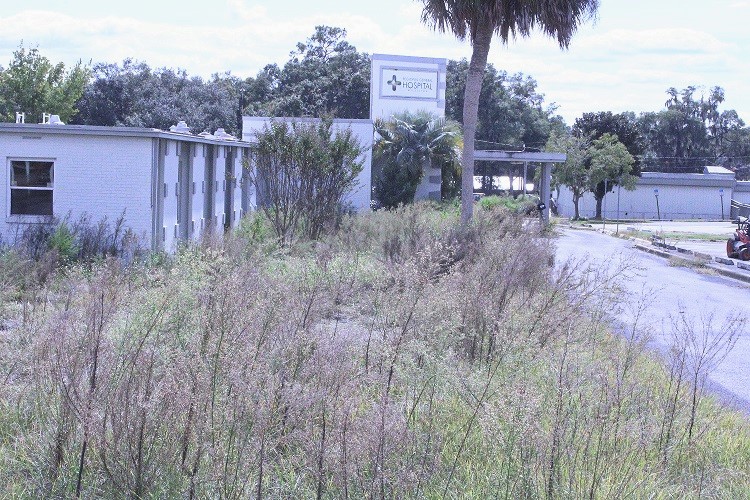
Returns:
<point x="303" y="172"/>
<point x="80" y="240"/>
<point x="62" y="242"/>
<point x="406" y="145"/>
<point x="520" y="204"/>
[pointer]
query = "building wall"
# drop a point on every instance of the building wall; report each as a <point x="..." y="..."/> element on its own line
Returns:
<point x="197" y="191"/>
<point x="211" y="183"/>
<point x="741" y="192"/>
<point x="680" y="196"/>
<point x="363" y="130"/>
<point x="97" y="176"/>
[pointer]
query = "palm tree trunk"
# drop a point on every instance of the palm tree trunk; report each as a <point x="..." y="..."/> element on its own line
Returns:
<point x="480" y="48"/>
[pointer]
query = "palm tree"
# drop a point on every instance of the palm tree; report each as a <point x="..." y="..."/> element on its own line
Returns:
<point x="479" y="21"/>
<point x="407" y="145"/>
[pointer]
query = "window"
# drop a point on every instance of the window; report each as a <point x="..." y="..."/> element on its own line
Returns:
<point x="31" y="183"/>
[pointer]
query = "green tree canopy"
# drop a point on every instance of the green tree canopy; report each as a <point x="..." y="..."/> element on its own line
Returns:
<point x="406" y="145"/>
<point x="32" y="84"/>
<point x="590" y="162"/>
<point x="511" y="111"/>
<point x="573" y="172"/>
<point x="610" y="164"/>
<point x="133" y="94"/>
<point x="623" y="125"/>
<point x="691" y="132"/>
<point x="324" y="76"/>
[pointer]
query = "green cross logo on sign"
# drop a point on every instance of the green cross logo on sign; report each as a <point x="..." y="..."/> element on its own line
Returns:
<point x="394" y="83"/>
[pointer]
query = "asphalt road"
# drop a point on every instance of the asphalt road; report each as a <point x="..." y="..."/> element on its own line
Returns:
<point x="673" y="291"/>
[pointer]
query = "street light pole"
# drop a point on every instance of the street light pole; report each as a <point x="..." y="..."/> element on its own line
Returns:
<point x="656" y="194"/>
<point x="721" y="194"/>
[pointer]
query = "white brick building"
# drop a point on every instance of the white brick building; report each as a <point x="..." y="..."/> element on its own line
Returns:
<point x="170" y="185"/>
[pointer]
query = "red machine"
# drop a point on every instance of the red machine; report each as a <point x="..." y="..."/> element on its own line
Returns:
<point x="738" y="247"/>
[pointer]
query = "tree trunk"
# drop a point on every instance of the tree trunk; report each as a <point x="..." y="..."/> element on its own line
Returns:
<point x="480" y="48"/>
<point x="599" y="193"/>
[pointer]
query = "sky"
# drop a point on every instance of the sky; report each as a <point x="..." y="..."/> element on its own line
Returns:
<point x="624" y="60"/>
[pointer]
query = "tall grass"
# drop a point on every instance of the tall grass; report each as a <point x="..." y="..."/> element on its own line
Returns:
<point x="402" y="357"/>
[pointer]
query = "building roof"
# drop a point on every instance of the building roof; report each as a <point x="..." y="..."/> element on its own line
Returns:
<point x="94" y="130"/>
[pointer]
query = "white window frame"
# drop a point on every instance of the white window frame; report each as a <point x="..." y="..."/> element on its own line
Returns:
<point x="28" y="217"/>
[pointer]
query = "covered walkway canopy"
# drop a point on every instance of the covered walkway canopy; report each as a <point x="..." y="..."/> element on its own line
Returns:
<point x="546" y="160"/>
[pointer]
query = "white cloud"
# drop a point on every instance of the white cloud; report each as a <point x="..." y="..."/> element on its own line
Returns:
<point x="606" y="66"/>
<point x="621" y="41"/>
<point x="248" y="13"/>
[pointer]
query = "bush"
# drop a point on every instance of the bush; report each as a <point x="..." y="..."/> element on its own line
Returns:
<point x="62" y="242"/>
<point x="406" y="145"/>
<point x="520" y="204"/>
<point x="303" y="172"/>
<point x="79" y="240"/>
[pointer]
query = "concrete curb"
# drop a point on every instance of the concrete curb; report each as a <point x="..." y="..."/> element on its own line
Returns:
<point x="720" y="265"/>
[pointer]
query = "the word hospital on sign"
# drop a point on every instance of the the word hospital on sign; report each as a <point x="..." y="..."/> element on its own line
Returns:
<point x="409" y="84"/>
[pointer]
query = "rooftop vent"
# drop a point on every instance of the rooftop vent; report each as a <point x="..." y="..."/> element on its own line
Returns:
<point x="180" y="128"/>
<point x="221" y="134"/>
<point x="48" y="119"/>
<point x="20" y="117"/>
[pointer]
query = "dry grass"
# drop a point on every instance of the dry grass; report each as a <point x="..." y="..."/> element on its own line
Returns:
<point x="402" y="357"/>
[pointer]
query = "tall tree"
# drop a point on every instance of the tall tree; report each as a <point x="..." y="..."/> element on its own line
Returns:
<point x="132" y="94"/>
<point x="692" y="132"/>
<point x="33" y="85"/>
<point x="622" y="126"/>
<point x="609" y="163"/>
<point x="676" y="140"/>
<point x="511" y="111"/>
<point x="479" y="21"/>
<point x="589" y="163"/>
<point x="324" y="76"/>
<point x="573" y="172"/>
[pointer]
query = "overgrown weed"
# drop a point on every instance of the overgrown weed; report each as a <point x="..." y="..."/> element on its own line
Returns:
<point x="400" y="357"/>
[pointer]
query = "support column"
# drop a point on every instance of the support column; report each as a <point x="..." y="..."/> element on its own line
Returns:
<point x="544" y="190"/>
